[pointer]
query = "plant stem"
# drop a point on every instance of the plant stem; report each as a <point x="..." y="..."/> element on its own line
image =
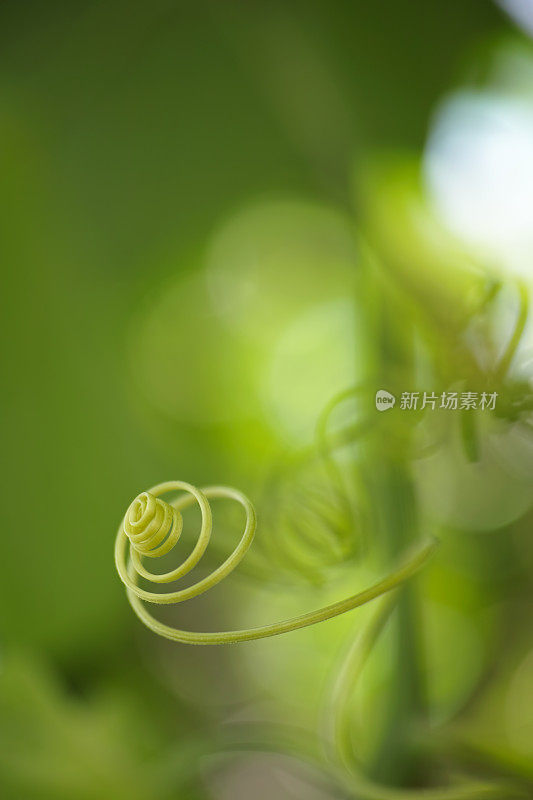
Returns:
<point x="394" y="500"/>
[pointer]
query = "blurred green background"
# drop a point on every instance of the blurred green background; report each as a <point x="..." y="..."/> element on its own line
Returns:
<point x="215" y="217"/>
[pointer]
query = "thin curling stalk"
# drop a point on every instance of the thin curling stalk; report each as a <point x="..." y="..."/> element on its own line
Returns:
<point x="151" y="527"/>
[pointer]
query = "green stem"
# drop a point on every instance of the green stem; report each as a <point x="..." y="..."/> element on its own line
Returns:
<point x="393" y="497"/>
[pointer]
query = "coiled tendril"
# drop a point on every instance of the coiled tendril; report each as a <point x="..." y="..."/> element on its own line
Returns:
<point x="151" y="528"/>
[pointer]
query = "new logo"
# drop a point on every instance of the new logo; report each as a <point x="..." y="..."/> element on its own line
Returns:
<point x="384" y="400"/>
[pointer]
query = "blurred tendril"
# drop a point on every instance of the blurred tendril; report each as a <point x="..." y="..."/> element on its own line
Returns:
<point x="328" y="442"/>
<point x="307" y="527"/>
<point x="518" y="331"/>
<point x="337" y="737"/>
<point x="151" y="527"/>
<point x="468" y="426"/>
<point x="313" y="518"/>
<point x="337" y="760"/>
<point x="337" y="717"/>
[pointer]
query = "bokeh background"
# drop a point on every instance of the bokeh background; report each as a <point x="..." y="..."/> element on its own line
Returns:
<point x="216" y="216"/>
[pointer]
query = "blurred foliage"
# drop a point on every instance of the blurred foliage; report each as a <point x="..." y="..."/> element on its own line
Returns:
<point x="216" y="217"/>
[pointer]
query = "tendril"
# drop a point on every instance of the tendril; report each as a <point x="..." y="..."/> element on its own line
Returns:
<point x="337" y="730"/>
<point x="151" y="527"/>
<point x="518" y="330"/>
